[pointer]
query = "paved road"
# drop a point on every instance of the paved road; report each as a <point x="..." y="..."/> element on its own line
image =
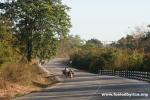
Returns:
<point x="87" y="86"/>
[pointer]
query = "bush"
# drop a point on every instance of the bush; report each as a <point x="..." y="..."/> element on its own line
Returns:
<point x="135" y="61"/>
<point x="94" y="59"/>
<point x="146" y="62"/>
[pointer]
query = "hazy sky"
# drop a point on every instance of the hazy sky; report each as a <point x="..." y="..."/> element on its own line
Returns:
<point x="107" y="19"/>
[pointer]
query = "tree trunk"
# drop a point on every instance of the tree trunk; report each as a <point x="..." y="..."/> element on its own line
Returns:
<point x="29" y="50"/>
<point x="29" y="45"/>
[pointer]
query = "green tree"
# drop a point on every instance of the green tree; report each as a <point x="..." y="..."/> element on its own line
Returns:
<point x="94" y="43"/>
<point x="7" y="52"/>
<point x="69" y="44"/>
<point x="126" y="42"/>
<point x="38" y="24"/>
<point x="144" y="42"/>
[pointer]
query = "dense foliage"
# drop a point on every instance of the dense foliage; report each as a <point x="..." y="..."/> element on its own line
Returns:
<point x="94" y="43"/>
<point x="68" y="45"/>
<point x="132" y="42"/>
<point x="129" y="53"/>
<point x="37" y="25"/>
<point x="8" y="53"/>
<point x="95" y="59"/>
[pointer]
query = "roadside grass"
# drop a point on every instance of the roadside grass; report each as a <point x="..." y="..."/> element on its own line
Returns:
<point x="23" y="78"/>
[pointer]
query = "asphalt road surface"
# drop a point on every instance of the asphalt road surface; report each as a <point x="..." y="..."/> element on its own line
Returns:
<point x="87" y="86"/>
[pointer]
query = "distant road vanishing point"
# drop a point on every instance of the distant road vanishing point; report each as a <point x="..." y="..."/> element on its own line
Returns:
<point x="88" y="86"/>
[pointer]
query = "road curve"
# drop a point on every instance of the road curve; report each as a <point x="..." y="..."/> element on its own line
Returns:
<point x="88" y="86"/>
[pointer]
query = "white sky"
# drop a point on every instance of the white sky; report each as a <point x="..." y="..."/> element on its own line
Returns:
<point x="107" y="19"/>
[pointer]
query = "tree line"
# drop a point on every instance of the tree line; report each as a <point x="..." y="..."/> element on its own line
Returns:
<point x="128" y="53"/>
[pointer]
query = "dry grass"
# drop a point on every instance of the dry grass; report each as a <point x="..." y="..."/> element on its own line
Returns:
<point x="21" y="78"/>
<point x="20" y="73"/>
<point x="13" y="89"/>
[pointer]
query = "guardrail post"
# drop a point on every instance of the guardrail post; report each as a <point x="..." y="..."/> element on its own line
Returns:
<point x="148" y="76"/>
